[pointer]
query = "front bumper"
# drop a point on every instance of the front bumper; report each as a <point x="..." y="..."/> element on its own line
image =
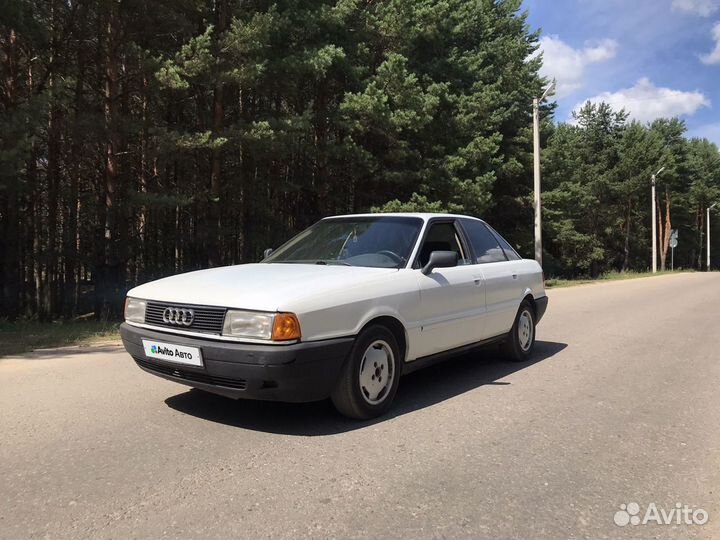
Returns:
<point x="306" y="371"/>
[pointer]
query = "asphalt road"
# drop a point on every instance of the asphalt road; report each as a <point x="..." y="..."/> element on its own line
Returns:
<point x="620" y="405"/>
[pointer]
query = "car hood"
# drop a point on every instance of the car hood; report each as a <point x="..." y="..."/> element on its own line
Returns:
<point x="262" y="287"/>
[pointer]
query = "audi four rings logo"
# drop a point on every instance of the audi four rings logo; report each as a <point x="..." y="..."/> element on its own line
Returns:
<point x="178" y="316"/>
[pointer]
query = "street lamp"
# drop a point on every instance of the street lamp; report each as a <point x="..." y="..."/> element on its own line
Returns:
<point x="708" y="234"/>
<point x="536" y="167"/>
<point x="654" y="220"/>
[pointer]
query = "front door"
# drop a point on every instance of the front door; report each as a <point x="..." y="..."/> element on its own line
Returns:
<point x="452" y="300"/>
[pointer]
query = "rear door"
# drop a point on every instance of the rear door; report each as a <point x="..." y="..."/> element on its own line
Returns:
<point x="501" y="275"/>
<point x="452" y="300"/>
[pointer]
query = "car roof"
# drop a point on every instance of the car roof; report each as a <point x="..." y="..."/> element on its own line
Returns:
<point x="422" y="215"/>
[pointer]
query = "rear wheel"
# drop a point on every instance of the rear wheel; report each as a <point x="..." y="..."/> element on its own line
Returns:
<point x="371" y="375"/>
<point x="520" y="342"/>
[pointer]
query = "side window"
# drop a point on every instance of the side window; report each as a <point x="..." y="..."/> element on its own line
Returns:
<point x="485" y="245"/>
<point x="509" y="250"/>
<point x="441" y="237"/>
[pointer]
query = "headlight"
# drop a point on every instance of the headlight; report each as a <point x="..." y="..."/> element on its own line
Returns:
<point x="270" y="326"/>
<point x="248" y="324"/>
<point x="135" y="310"/>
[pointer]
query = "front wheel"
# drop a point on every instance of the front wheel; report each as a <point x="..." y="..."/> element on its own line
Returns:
<point x="520" y="342"/>
<point x="371" y="375"/>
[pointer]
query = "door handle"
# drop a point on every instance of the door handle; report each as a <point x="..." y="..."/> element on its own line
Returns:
<point x="514" y="276"/>
<point x="477" y="280"/>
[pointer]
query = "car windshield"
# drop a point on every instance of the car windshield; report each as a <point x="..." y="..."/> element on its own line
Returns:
<point x="379" y="242"/>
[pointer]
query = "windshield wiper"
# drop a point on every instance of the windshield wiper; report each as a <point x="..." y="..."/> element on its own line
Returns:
<point x="333" y="263"/>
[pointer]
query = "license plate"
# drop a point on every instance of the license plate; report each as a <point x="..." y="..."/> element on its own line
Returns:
<point x="170" y="352"/>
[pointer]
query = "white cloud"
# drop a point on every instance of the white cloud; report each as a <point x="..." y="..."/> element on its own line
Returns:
<point x="646" y="102"/>
<point x="603" y="51"/>
<point x="567" y="65"/>
<point x="704" y="8"/>
<point x="713" y="57"/>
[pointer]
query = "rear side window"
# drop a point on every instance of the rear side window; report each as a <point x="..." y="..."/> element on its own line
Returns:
<point x="486" y="247"/>
<point x="509" y="250"/>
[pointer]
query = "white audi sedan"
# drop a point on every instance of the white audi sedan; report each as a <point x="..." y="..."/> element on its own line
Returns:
<point x="342" y="311"/>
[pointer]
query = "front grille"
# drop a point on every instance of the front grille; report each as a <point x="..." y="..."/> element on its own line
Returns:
<point x="208" y="320"/>
<point x="238" y="384"/>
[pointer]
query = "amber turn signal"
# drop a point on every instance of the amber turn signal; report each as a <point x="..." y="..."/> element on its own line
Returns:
<point x="286" y="327"/>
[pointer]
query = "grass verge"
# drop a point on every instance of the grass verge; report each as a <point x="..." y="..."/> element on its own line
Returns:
<point x="556" y="283"/>
<point x="25" y="336"/>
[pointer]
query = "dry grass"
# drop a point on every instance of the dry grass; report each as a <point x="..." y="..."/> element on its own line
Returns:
<point x="25" y="336"/>
<point x="556" y="283"/>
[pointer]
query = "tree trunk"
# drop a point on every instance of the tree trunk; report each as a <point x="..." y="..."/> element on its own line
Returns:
<point x="53" y="177"/>
<point x="213" y="228"/>
<point x="9" y="242"/>
<point x="110" y="260"/>
<point x="247" y="187"/>
<point x="626" y="249"/>
<point x="665" y="231"/>
<point x="142" y="182"/>
<point x="71" y="229"/>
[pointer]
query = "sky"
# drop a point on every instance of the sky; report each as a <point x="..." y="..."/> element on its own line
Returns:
<point x="655" y="58"/>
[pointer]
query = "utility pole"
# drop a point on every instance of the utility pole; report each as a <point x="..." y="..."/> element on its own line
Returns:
<point x="708" y="234"/>
<point x="654" y="219"/>
<point x="536" y="169"/>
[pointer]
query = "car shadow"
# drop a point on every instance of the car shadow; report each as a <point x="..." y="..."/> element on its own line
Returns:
<point x="418" y="390"/>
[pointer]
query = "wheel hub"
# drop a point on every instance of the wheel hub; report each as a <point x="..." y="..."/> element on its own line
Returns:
<point x="376" y="372"/>
<point x="525" y="330"/>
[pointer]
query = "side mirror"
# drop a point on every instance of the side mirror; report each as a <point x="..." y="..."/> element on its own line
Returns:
<point x="440" y="259"/>
<point x="267" y="253"/>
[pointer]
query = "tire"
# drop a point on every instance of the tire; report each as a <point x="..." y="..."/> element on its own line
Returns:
<point x="374" y="360"/>
<point x="520" y="342"/>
